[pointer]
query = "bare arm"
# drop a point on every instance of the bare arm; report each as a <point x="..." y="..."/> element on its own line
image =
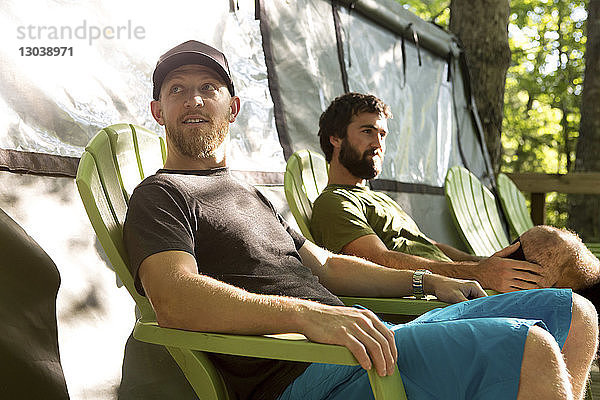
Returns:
<point x="456" y="254"/>
<point x="347" y="275"/>
<point x="184" y="299"/>
<point x="495" y="272"/>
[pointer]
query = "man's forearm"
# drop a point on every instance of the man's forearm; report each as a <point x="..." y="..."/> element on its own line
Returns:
<point x="402" y="261"/>
<point x="184" y="299"/>
<point x="456" y="254"/>
<point x="201" y="303"/>
<point x="349" y="275"/>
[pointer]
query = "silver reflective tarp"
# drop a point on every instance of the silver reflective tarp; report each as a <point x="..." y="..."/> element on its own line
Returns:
<point x="54" y="104"/>
<point x="426" y="105"/>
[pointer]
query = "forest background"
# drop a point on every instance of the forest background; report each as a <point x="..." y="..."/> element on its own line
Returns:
<point x="527" y="60"/>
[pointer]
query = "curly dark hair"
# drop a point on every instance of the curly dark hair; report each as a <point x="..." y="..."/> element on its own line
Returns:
<point x="335" y="120"/>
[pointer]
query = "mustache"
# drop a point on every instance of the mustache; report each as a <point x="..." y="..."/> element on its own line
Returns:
<point x="195" y="115"/>
<point x="373" y="152"/>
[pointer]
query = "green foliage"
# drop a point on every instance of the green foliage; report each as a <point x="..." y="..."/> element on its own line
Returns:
<point x="543" y="86"/>
<point x="436" y="11"/>
<point x="543" y="91"/>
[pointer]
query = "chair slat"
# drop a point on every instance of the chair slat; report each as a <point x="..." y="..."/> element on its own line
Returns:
<point x="122" y="146"/>
<point x="475" y="231"/>
<point x="475" y="212"/>
<point x="107" y="226"/>
<point x="514" y="204"/>
<point x="100" y="149"/>
<point x="149" y="150"/>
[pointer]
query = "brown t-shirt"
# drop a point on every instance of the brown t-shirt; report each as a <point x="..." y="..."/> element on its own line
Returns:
<point x="237" y="237"/>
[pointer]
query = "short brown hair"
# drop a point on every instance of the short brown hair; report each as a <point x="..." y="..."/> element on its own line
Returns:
<point x="335" y="120"/>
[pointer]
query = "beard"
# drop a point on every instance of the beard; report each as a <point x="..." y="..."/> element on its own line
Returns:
<point x="199" y="141"/>
<point x="359" y="165"/>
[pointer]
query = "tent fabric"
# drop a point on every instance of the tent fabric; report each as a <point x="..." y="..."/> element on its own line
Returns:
<point x="286" y="67"/>
<point x="29" y="282"/>
<point x="55" y="104"/>
<point x="428" y="124"/>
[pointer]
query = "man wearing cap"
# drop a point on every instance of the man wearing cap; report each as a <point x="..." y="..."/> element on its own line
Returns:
<point x="212" y="254"/>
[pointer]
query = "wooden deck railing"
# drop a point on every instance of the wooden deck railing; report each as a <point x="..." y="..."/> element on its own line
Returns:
<point x="538" y="184"/>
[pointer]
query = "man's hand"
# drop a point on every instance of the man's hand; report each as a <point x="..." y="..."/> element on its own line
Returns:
<point x="452" y="290"/>
<point x="369" y="340"/>
<point x="507" y="275"/>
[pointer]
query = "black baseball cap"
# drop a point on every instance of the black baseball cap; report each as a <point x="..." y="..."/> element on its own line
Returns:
<point x="191" y="52"/>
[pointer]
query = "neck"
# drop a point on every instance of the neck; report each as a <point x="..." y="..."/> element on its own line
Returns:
<point x="175" y="160"/>
<point x="339" y="175"/>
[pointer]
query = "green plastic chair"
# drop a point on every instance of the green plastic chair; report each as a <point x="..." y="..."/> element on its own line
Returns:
<point x="475" y="214"/>
<point x="115" y="160"/>
<point x="305" y="178"/>
<point x="473" y="208"/>
<point x="515" y="208"/>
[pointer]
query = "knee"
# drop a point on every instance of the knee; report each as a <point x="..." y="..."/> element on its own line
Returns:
<point x="550" y="382"/>
<point x="584" y="318"/>
<point x="542" y="349"/>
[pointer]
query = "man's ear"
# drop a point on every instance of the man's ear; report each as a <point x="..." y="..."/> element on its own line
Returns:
<point x="234" y="108"/>
<point x="335" y="141"/>
<point x="156" y="109"/>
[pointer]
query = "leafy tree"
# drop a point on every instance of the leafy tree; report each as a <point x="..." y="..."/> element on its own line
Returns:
<point x="544" y="85"/>
<point x="543" y="91"/>
<point x="435" y="11"/>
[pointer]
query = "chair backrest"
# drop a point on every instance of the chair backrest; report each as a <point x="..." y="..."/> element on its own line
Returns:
<point x="514" y="205"/>
<point x="114" y="162"/>
<point x="305" y="178"/>
<point x="475" y="213"/>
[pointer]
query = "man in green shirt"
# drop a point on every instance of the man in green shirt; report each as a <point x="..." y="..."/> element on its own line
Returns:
<point x="350" y="218"/>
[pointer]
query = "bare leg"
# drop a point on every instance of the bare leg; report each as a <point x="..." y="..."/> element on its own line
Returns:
<point x="544" y="373"/>
<point x="581" y="345"/>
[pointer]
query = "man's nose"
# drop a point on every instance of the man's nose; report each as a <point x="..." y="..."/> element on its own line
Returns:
<point x="379" y="141"/>
<point x="195" y="101"/>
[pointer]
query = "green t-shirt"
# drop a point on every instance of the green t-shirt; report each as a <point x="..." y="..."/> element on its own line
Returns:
<point x="343" y="213"/>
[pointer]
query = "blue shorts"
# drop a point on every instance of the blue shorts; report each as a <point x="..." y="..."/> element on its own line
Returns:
<point x="470" y="350"/>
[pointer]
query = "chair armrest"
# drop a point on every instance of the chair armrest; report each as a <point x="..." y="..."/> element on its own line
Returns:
<point x="291" y="347"/>
<point x="398" y="306"/>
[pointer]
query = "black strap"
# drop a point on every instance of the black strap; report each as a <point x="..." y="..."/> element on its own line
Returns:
<point x="273" y="82"/>
<point x="401" y="187"/>
<point x="340" y="45"/>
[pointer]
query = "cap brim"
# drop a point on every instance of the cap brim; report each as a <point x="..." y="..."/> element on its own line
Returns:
<point x="185" y="58"/>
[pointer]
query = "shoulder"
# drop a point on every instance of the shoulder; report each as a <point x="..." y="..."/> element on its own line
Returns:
<point x="158" y="194"/>
<point x="339" y="197"/>
<point x="176" y="186"/>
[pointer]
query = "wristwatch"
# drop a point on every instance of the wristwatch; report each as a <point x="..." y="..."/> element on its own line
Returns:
<point x="417" y="282"/>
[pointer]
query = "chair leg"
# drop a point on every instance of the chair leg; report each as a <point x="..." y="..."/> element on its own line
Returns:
<point x="386" y="388"/>
<point x="200" y="373"/>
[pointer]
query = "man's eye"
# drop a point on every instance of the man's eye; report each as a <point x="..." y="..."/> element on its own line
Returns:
<point x="208" y="86"/>
<point x="176" y="89"/>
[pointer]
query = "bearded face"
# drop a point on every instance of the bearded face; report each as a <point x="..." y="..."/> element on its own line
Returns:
<point x="196" y="109"/>
<point x="198" y="136"/>
<point x="365" y="166"/>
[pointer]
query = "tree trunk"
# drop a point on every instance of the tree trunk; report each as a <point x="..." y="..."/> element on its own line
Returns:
<point x="584" y="215"/>
<point x="482" y="27"/>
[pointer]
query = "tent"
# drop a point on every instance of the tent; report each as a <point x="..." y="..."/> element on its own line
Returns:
<point x="71" y="68"/>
